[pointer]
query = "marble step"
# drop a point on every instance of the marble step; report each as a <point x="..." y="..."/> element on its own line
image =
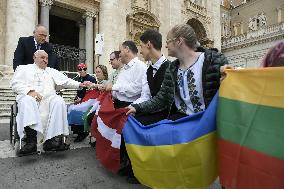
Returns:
<point x="5" y="110"/>
<point x="4" y="115"/>
<point x="8" y="99"/>
<point x="7" y="93"/>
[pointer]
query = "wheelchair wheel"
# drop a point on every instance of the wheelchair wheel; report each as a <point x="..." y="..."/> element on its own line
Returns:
<point x="14" y="137"/>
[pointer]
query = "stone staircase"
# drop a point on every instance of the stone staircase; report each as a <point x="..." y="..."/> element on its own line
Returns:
<point x="8" y="97"/>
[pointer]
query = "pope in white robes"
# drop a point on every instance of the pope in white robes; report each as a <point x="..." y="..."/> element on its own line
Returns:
<point x="39" y="107"/>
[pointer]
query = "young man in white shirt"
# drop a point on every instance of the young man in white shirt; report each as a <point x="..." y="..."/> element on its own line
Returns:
<point x="128" y="86"/>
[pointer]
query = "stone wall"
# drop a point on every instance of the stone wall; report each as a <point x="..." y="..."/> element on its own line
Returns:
<point x="21" y="19"/>
<point x="244" y="12"/>
<point x="249" y="57"/>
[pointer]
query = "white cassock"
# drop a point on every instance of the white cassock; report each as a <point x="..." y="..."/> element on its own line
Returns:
<point x="49" y="116"/>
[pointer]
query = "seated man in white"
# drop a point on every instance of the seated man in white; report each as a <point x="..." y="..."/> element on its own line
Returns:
<point x="42" y="114"/>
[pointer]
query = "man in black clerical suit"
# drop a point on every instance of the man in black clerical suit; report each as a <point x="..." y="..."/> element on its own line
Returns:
<point x="27" y="46"/>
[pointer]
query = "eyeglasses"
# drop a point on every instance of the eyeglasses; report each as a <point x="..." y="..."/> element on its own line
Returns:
<point x="80" y="69"/>
<point x="111" y="59"/>
<point x="170" y="40"/>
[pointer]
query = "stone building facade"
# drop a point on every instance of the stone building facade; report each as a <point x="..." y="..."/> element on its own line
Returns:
<point x="249" y="28"/>
<point x="74" y="24"/>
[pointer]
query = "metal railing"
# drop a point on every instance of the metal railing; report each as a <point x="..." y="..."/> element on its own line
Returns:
<point x="69" y="57"/>
<point x="252" y="36"/>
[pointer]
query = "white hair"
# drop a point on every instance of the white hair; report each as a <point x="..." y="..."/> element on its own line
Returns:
<point x="38" y="51"/>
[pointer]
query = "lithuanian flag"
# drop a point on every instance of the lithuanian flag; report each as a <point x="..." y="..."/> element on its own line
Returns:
<point x="250" y="125"/>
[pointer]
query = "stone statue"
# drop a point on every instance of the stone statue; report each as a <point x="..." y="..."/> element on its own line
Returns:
<point x="262" y="19"/>
<point x="252" y="24"/>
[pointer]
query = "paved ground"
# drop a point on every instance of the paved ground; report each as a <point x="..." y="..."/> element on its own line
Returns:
<point x="73" y="169"/>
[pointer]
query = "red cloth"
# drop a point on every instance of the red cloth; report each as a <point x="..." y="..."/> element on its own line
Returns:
<point x="107" y="128"/>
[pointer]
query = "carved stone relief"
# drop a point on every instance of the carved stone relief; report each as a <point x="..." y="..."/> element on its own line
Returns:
<point x="256" y="22"/>
<point x="200" y="32"/>
<point x="140" y="21"/>
<point x="141" y="5"/>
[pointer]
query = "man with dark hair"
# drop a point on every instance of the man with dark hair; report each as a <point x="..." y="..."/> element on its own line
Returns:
<point x="151" y="44"/>
<point x="131" y="45"/>
<point x="128" y="86"/>
<point x="27" y="46"/>
<point x="116" y="64"/>
<point x="154" y="37"/>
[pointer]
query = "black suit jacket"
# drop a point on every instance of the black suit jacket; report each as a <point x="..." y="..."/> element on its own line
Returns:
<point x="25" y="50"/>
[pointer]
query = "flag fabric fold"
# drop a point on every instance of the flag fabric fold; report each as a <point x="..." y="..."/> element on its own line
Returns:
<point x="251" y="130"/>
<point x="89" y="104"/>
<point x="107" y="127"/>
<point x="174" y="154"/>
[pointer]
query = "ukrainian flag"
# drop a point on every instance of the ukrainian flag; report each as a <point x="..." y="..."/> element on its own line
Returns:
<point x="174" y="154"/>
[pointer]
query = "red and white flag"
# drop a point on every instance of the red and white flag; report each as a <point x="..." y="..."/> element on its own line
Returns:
<point x="107" y="127"/>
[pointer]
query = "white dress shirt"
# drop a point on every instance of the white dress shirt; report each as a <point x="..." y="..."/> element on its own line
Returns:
<point x="128" y="86"/>
<point x="146" y="94"/>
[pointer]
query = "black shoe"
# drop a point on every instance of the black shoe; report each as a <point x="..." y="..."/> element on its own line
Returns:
<point x="28" y="149"/>
<point x="63" y="147"/>
<point x="81" y="137"/>
<point x="51" y="145"/>
<point x="132" y="180"/>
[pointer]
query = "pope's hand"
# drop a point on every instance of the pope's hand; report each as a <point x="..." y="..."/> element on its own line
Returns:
<point x="35" y="95"/>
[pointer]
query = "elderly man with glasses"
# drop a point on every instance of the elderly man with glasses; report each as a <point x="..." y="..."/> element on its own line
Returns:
<point x="116" y="64"/>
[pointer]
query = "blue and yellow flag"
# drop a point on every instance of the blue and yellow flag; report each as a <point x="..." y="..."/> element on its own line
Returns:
<point x="174" y="154"/>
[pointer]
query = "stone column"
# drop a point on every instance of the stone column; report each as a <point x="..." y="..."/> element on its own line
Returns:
<point x="279" y="14"/>
<point x="213" y="9"/>
<point x="89" y="37"/>
<point x="44" y="12"/>
<point x="82" y="33"/>
<point x="20" y="22"/>
<point x="97" y="58"/>
<point x="3" y="5"/>
<point x="242" y="28"/>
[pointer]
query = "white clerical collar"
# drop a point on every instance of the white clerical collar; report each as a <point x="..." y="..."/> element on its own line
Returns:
<point x="35" y="42"/>
<point x="130" y="63"/>
<point x="38" y="68"/>
<point x="159" y="63"/>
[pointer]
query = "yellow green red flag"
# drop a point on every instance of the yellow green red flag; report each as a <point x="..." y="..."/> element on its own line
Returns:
<point x="250" y="125"/>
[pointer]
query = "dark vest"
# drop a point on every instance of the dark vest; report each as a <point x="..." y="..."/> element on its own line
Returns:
<point x="156" y="81"/>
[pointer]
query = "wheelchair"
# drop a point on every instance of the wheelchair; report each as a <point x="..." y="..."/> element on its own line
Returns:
<point x="14" y="137"/>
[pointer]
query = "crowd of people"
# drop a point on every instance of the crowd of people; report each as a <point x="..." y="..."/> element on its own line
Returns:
<point x="163" y="90"/>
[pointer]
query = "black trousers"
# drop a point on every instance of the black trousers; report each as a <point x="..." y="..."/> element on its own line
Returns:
<point x="77" y="129"/>
<point x="176" y="115"/>
<point x="150" y="118"/>
<point x="120" y="104"/>
<point x="31" y="135"/>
